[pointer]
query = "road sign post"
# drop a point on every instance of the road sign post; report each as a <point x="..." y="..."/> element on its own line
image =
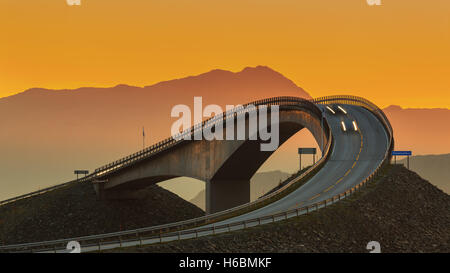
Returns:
<point x="311" y="151"/>
<point x="402" y="153"/>
<point x="78" y="172"/>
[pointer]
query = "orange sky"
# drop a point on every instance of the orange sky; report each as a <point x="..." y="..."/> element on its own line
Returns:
<point x="397" y="53"/>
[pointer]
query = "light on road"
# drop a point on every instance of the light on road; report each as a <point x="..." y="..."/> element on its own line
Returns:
<point x="343" y="126"/>
<point x="355" y="126"/>
<point x="331" y="110"/>
<point x="342" y="109"/>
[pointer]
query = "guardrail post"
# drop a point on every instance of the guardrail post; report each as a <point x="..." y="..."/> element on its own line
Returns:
<point x="179" y="238"/>
<point x="259" y="221"/>
<point x="160" y="237"/>
<point x="285" y="215"/>
<point x="214" y="229"/>
<point x="99" y="245"/>
<point x="297" y="211"/>
<point x="229" y="228"/>
<point x="307" y="209"/>
<point x="273" y="218"/>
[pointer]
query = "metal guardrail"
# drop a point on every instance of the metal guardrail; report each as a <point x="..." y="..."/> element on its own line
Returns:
<point x="165" y="230"/>
<point x="38" y="192"/>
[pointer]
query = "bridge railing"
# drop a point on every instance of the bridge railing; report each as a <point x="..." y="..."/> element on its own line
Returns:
<point x="39" y="192"/>
<point x="167" y="231"/>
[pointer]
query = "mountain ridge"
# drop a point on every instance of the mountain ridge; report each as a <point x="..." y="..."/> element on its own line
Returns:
<point x="210" y="75"/>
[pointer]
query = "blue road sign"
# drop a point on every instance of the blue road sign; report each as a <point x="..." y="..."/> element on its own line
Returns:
<point x="405" y="153"/>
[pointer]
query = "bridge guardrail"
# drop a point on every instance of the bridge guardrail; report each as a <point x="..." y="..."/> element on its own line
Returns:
<point x="136" y="235"/>
<point x="38" y="192"/>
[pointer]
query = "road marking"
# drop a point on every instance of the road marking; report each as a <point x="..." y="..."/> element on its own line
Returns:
<point x="339" y="180"/>
<point x="353" y="166"/>
<point x="297" y="205"/>
<point x="329" y="188"/>
<point x="314" y="197"/>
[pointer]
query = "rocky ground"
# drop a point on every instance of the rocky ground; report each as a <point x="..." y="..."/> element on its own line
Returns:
<point x="401" y="211"/>
<point x="75" y="211"/>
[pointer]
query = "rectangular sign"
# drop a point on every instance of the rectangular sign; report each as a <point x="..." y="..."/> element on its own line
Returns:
<point x="311" y="151"/>
<point x="401" y="153"/>
<point x="81" y="172"/>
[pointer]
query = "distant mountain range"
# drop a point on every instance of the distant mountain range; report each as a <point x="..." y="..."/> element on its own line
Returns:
<point x="434" y="168"/>
<point x="424" y="131"/>
<point x="260" y="184"/>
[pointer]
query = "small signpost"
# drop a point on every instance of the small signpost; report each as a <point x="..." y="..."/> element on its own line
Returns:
<point x="310" y="151"/>
<point x="78" y="172"/>
<point x="402" y="153"/>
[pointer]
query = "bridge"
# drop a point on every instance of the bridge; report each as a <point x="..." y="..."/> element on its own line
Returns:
<point x="217" y="162"/>
<point x="350" y="160"/>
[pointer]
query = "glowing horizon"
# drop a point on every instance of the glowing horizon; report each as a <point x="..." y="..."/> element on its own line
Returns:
<point x="395" y="54"/>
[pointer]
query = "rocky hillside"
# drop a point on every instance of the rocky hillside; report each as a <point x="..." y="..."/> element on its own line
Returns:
<point x="401" y="211"/>
<point x="75" y="211"/>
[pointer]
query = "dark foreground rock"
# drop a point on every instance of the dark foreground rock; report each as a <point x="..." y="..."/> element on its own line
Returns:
<point x="75" y="211"/>
<point x="401" y="211"/>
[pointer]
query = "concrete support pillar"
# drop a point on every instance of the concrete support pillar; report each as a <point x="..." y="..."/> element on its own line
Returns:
<point x="225" y="194"/>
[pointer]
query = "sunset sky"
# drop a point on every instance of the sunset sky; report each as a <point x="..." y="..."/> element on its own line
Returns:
<point x="397" y="53"/>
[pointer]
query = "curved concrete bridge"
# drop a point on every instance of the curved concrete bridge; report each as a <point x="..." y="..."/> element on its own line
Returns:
<point x="225" y="165"/>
